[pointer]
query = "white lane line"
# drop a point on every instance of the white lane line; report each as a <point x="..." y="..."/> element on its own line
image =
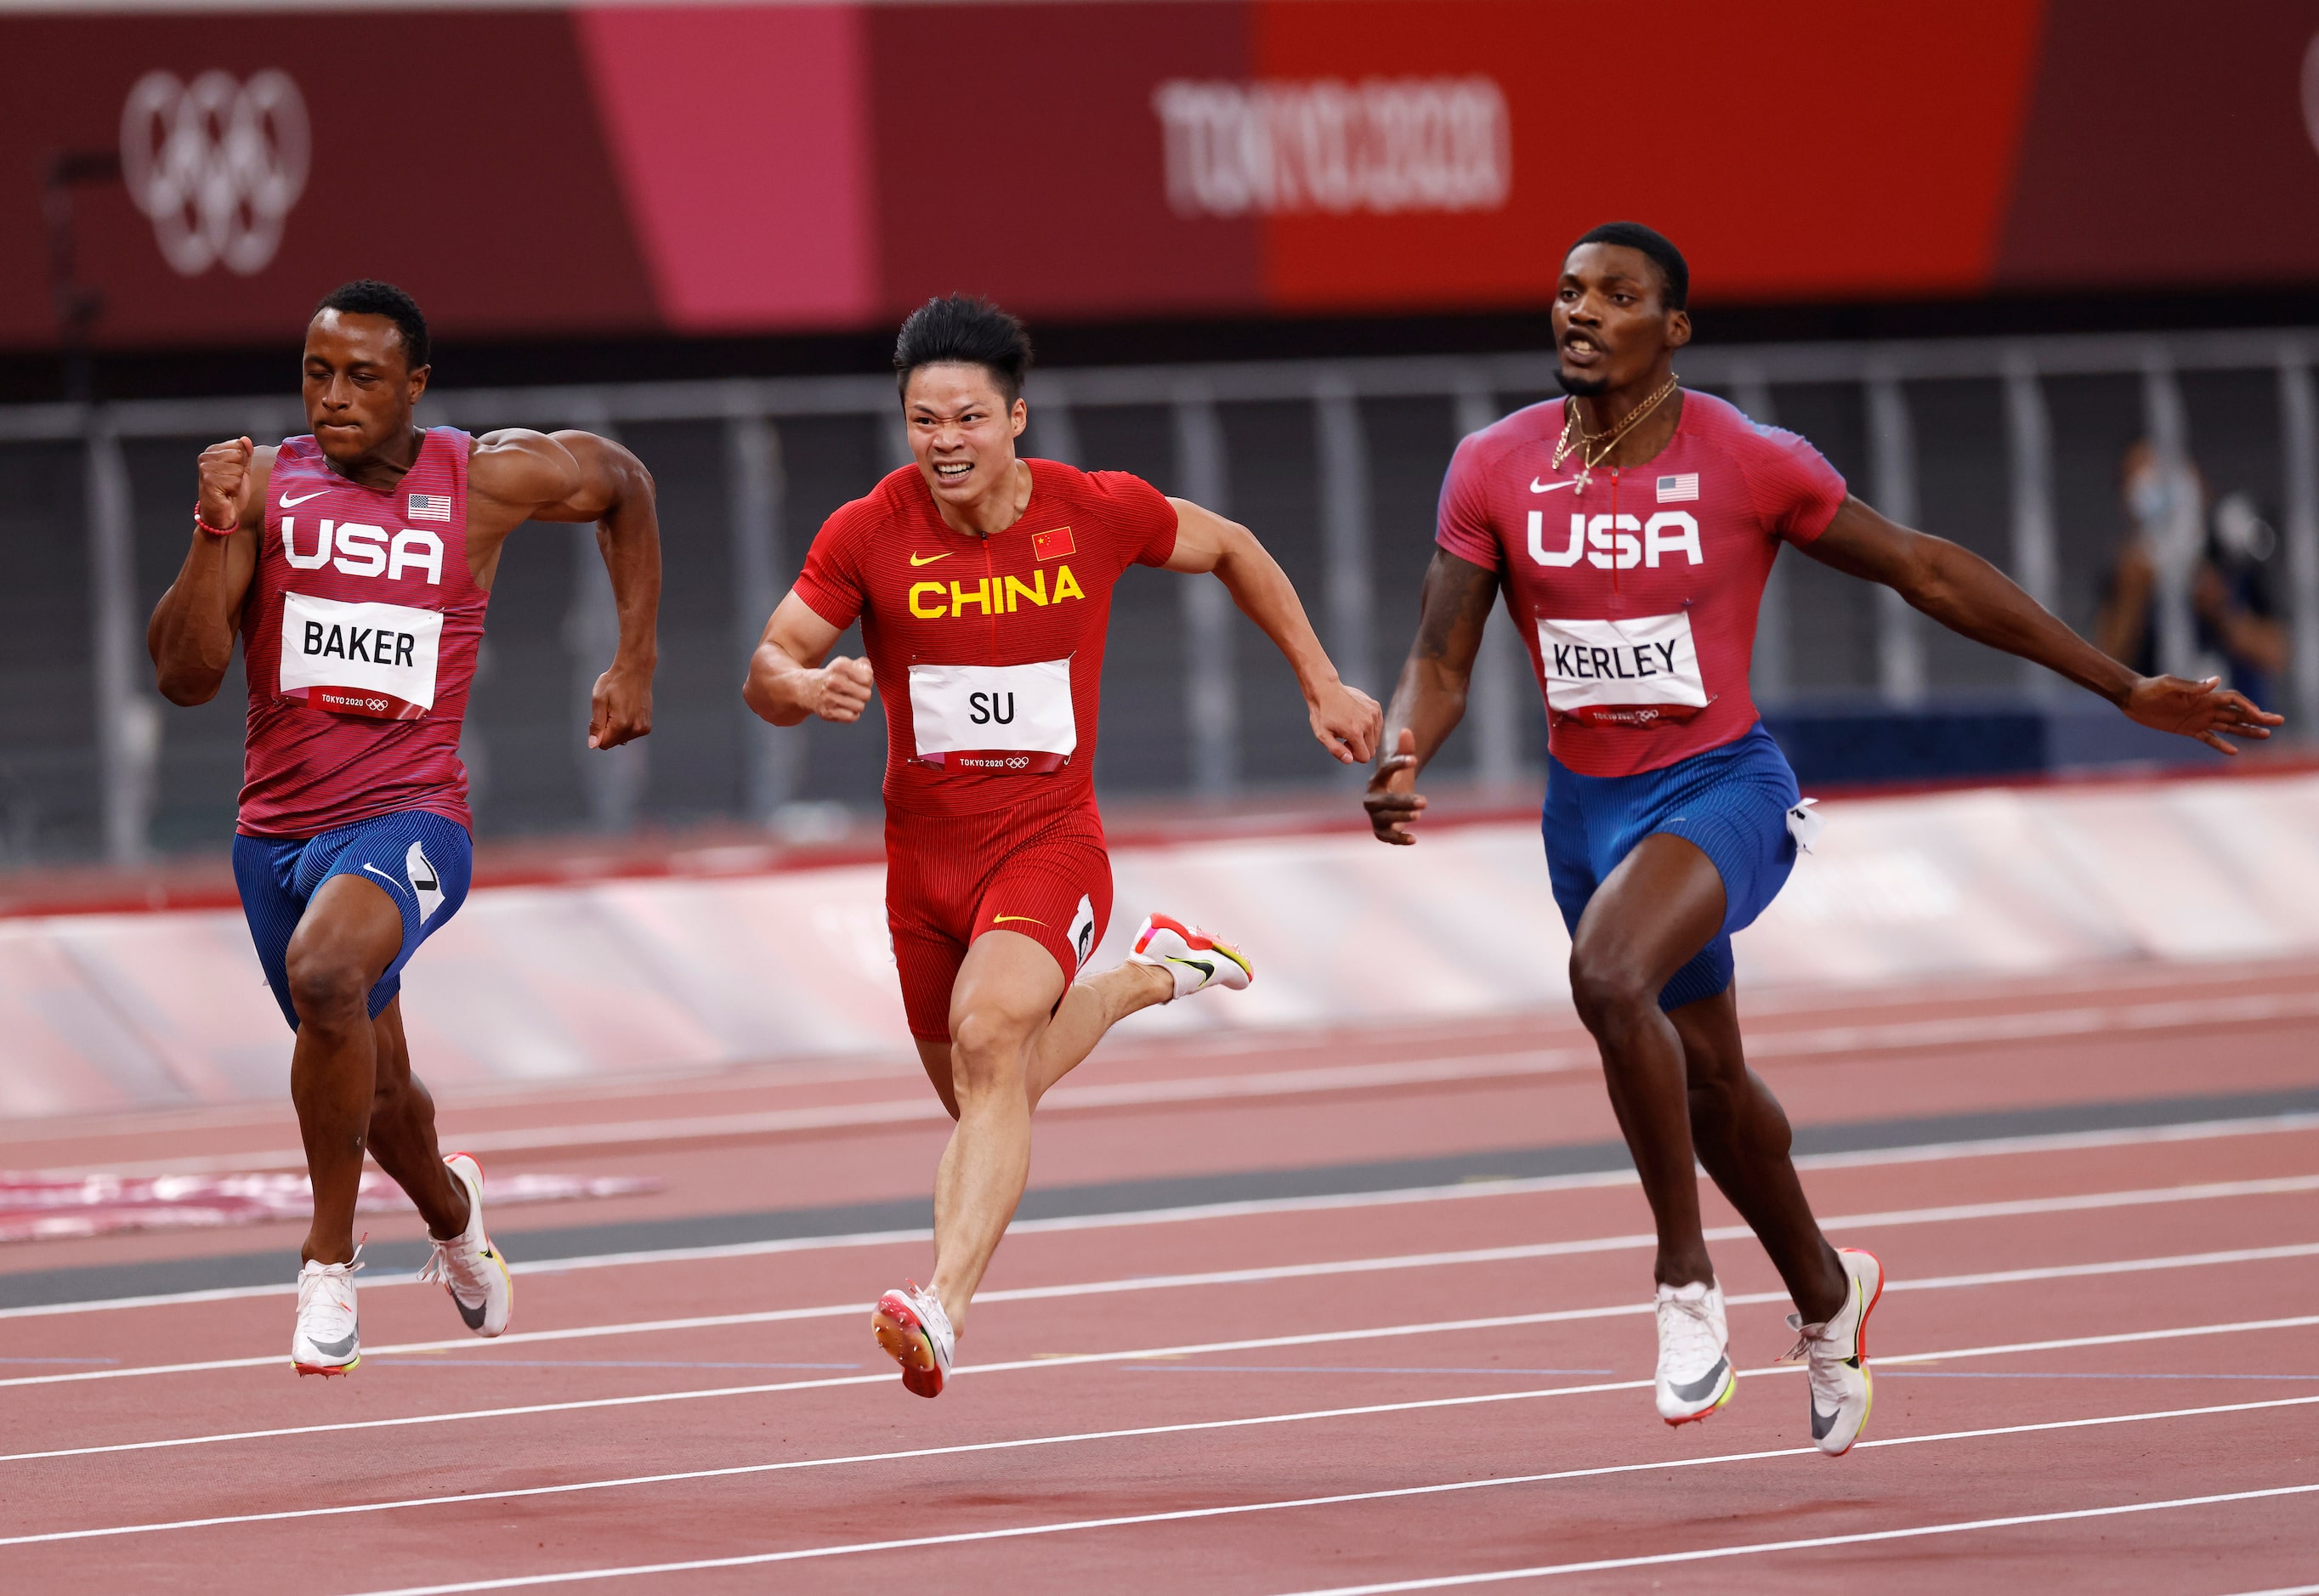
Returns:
<point x="1901" y="1036"/>
<point x="1141" y="1354"/>
<point x="1143" y="1432"/>
<point x="1947" y="1213"/>
<point x="1018" y="1532"/>
<point x="1460" y="1191"/>
<point x="2284" y="1590"/>
<point x="1662" y="1559"/>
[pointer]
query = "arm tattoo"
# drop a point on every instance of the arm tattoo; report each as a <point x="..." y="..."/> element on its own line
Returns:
<point x="1454" y="608"/>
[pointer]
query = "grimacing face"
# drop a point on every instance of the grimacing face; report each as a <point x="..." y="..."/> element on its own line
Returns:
<point x="358" y="385"/>
<point x="1611" y="326"/>
<point x="962" y="430"/>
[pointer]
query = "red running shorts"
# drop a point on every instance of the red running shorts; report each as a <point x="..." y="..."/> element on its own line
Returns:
<point x="1043" y="873"/>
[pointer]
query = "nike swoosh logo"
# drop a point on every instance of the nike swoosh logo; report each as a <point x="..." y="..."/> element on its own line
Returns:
<point x="1536" y="486"/>
<point x="1822" y="1422"/>
<point x="382" y="875"/>
<point x="1002" y="919"/>
<point x="1207" y="970"/>
<point x="289" y="503"/>
<point x="1707" y="1384"/>
<point x="472" y="1318"/>
<point x="929" y="559"/>
<point x="337" y="1348"/>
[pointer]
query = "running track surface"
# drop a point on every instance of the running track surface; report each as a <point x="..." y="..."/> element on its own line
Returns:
<point x="2098" y="1202"/>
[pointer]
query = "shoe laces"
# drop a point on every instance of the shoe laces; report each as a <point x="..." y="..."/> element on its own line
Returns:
<point x="1687" y="1326"/>
<point x="458" y="1264"/>
<point x="1822" y="1356"/>
<point x="933" y="1315"/>
<point x="313" y="1278"/>
<point x="1807" y="1337"/>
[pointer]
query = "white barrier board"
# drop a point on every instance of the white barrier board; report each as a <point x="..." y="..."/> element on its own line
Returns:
<point x="633" y="977"/>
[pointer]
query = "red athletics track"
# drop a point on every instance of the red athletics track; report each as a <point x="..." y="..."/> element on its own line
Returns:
<point x="2099" y="1362"/>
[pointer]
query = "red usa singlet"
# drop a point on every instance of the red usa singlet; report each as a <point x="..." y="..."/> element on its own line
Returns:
<point x="359" y="636"/>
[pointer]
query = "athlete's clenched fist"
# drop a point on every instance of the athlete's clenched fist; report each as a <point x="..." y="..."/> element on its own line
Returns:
<point x="842" y="690"/>
<point x="225" y="471"/>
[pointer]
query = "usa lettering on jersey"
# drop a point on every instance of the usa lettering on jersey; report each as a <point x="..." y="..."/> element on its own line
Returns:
<point x="1619" y="542"/>
<point x="366" y="551"/>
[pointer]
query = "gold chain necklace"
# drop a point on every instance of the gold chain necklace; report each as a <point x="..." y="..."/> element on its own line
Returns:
<point x="1575" y="435"/>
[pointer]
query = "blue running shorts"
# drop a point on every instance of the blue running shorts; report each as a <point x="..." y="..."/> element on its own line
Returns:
<point x="420" y="859"/>
<point x="1731" y="801"/>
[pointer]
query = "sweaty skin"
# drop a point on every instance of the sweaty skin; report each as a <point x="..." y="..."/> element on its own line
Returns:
<point x="1016" y="1028"/>
<point x="350" y="1074"/>
<point x="1678" y="1082"/>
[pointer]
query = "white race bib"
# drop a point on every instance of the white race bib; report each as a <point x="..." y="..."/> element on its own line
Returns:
<point x="374" y="659"/>
<point x="993" y="717"/>
<point x="1625" y="672"/>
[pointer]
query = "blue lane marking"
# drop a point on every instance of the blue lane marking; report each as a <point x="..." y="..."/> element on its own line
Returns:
<point x="59" y="1360"/>
<point x="424" y="1361"/>
<point x="1283" y="1368"/>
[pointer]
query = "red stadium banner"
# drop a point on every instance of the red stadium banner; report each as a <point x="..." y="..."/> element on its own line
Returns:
<point x="738" y="168"/>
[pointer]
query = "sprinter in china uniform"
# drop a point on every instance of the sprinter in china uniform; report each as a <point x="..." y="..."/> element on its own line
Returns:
<point x="1631" y="529"/>
<point x="356" y="563"/>
<point x="983" y="584"/>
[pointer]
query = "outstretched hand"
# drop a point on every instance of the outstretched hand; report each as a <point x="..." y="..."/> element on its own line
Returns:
<point x="1347" y="721"/>
<point x="2207" y="710"/>
<point x="1393" y="801"/>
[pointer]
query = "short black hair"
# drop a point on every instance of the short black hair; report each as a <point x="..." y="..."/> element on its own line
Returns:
<point x="962" y="329"/>
<point x="1674" y="273"/>
<point x="368" y="296"/>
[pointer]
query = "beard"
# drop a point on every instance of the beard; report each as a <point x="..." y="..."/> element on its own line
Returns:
<point x="1580" y="387"/>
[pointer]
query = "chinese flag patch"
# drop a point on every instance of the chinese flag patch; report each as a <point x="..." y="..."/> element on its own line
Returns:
<point x="1054" y="545"/>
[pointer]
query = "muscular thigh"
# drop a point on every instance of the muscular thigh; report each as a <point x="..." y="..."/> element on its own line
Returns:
<point x="1658" y="907"/>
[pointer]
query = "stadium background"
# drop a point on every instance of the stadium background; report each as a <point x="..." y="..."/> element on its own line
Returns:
<point x="2041" y="1007"/>
<point x="624" y="196"/>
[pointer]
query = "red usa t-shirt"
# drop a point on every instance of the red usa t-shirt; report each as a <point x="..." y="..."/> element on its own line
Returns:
<point x="987" y="652"/>
<point x="1635" y="593"/>
<point x="359" y="635"/>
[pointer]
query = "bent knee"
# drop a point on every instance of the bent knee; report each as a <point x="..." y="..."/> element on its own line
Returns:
<point x="327" y="991"/>
<point x="985" y="1049"/>
<point x="1608" y="992"/>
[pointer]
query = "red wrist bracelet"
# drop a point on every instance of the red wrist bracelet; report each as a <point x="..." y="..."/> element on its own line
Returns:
<point x="213" y="531"/>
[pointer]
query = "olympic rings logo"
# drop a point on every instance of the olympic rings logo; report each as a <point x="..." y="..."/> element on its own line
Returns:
<point x="216" y="163"/>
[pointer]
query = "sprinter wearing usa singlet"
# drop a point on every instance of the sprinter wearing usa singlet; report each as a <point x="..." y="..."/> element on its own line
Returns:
<point x="983" y="585"/>
<point x="1631" y="529"/>
<point x="355" y="563"/>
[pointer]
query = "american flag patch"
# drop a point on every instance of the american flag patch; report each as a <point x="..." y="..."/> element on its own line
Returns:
<point x="436" y="507"/>
<point x="1679" y="490"/>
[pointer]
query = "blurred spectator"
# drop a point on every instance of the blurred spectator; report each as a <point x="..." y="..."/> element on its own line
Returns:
<point x="2227" y="588"/>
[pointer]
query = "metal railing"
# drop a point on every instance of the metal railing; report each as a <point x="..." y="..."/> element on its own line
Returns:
<point x="764" y="544"/>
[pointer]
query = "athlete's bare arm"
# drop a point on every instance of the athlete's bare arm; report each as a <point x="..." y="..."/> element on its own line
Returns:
<point x="786" y="680"/>
<point x="191" y="634"/>
<point x="1971" y="597"/>
<point x="1344" y="719"/>
<point x="1430" y="698"/>
<point x="518" y="475"/>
